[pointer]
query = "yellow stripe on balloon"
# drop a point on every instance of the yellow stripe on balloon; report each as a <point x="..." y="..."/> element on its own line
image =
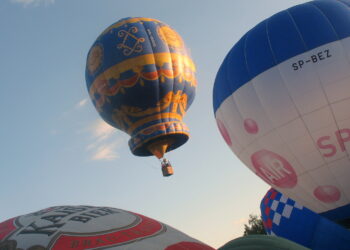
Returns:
<point x="137" y="63"/>
<point x="158" y="116"/>
<point x="131" y="20"/>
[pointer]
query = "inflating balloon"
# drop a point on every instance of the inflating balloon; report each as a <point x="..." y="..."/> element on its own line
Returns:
<point x="282" y="100"/>
<point x="261" y="242"/>
<point x="88" y="227"/>
<point x="286" y="218"/>
<point x="141" y="80"/>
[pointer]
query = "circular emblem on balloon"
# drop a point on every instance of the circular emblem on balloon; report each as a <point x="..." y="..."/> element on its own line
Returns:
<point x="224" y="132"/>
<point x="251" y="126"/>
<point x="94" y="59"/>
<point x="170" y="37"/>
<point x="327" y="193"/>
<point x="274" y="169"/>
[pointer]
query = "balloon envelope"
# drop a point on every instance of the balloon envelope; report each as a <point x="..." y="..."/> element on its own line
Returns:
<point x="286" y="218"/>
<point x="261" y="242"/>
<point x="141" y="80"/>
<point x="282" y="100"/>
<point x="88" y="227"/>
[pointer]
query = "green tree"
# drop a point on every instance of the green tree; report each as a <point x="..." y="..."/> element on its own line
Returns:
<point x="255" y="226"/>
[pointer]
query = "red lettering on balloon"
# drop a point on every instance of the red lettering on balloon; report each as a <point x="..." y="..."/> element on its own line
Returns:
<point x="274" y="169"/>
<point x="322" y="145"/>
<point x="343" y="135"/>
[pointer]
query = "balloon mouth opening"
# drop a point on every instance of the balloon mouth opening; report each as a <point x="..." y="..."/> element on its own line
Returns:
<point x="166" y="142"/>
<point x="159" y="138"/>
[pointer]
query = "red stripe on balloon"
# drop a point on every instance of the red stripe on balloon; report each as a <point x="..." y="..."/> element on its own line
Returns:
<point x="6" y="228"/>
<point x="146" y="228"/>
<point x="184" y="245"/>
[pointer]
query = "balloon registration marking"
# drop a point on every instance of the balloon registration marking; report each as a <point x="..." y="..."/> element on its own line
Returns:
<point x="224" y="132"/>
<point x="327" y="193"/>
<point x="251" y="126"/>
<point x="274" y="169"/>
<point x="328" y="149"/>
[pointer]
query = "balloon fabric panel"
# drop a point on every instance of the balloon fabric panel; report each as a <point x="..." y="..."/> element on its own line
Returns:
<point x="261" y="242"/>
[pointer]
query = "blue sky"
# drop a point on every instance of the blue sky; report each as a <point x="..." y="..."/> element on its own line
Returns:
<point x="55" y="149"/>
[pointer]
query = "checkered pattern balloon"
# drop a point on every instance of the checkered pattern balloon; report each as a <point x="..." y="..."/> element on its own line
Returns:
<point x="276" y="208"/>
<point x="284" y="217"/>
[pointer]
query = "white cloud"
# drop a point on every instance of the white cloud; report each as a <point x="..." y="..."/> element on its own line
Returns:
<point x="104" y="143"/>
<point x="101" y="130"/>
<point x="33" y="2"/>
<point x="105" y="152"/>
<point x="82" y="103"/>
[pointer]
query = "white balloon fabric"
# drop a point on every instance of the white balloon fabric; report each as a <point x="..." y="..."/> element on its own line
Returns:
<point x="88" y="227"/>
<point x="282" y="104"/>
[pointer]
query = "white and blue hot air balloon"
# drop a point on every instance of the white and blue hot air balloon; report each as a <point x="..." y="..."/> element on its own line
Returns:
<point x="282" y="103"/>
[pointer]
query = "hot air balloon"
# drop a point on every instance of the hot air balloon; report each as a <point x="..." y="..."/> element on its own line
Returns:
<point x="90" y="227"/>
<point x="141" y="80"/>
<point x="282" y="98"/>
<point x="261" y="242"/>
<point x="286" y="218"/>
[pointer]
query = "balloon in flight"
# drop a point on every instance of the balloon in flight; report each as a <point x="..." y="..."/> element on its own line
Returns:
<point x="141" y="80"/>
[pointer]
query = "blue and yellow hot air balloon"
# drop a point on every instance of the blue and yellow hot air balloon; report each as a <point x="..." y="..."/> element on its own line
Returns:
<point x="142" y="81"/>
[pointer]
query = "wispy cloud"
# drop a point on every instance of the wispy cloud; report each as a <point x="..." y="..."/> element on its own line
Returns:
<point x="33" y="2"/>
<point x="101" y="147"/>
<point x="106" y="152"/>
<point x="81" y="103"/>
<point x="101" y="130"/>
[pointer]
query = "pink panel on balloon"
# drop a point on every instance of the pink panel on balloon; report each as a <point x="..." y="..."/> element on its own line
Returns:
<point x="251" y="126"/>
<point x="224" y="132"/>
<point x="327" y="193"/>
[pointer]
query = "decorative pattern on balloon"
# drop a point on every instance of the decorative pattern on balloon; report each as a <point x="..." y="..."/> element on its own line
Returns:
<point x="130" y="43"/>
<point x="170" y="37"/>
<point x="95" y="58"/>
<point x="276" y="207"/>
<point x="145" y="83"/>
